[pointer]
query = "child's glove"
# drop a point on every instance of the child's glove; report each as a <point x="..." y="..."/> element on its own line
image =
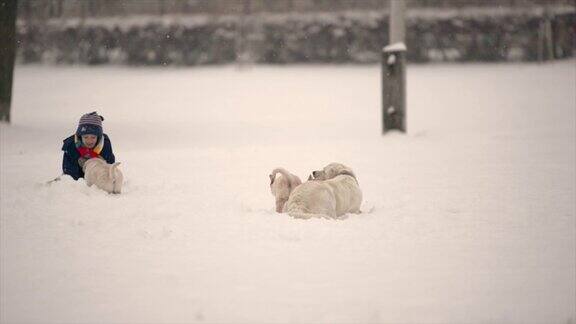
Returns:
<point x="81" y="161"/>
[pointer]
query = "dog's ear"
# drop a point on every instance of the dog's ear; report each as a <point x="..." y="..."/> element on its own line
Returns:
<point x="271" y="179"/>
<point x="310" y="177"/>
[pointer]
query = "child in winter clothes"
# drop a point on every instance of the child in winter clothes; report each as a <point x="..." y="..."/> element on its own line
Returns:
<point x="88" y="142"/>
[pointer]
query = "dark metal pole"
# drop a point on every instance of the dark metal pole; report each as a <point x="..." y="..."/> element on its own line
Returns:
<point x="7" y="55"/>
<point x="394" y="89"/>
<point x="394" y="71"/>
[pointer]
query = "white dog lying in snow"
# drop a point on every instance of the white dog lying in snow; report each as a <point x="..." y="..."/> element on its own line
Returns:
<point x="332" y="192"/>
<point x="282" y="185"/>
<point x="105" y="176"/>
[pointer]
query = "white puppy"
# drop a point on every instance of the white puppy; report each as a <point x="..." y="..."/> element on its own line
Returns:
<point x="282" y="185"/>
<point x="105" y="176"/>
<point x="332" y="192"/>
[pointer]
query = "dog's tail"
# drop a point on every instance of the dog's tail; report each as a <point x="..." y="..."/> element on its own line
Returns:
<point x="292" y="179"/>
<point x="111" y="170"/>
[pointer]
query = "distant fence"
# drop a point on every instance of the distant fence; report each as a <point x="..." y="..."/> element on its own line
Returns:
<point x="46" y="9"/>
<point x="481" y="34"/>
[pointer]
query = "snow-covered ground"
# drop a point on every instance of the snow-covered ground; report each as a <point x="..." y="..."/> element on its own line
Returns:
<point x="470" y="218"/>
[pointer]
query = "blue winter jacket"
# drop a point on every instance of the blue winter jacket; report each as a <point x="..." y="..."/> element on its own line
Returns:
<point x="70" y="164"/>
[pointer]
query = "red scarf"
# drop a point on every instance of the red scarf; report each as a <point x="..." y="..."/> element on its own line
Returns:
<point x="89" y="153"/>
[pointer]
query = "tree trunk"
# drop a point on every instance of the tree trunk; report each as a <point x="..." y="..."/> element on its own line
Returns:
<point x="7" y="55"/>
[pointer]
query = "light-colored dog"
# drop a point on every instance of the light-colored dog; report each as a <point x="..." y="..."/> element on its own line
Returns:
<point x="282" y="185"/>
<point x="332" y="192"/>
<point x="105" y="176"/>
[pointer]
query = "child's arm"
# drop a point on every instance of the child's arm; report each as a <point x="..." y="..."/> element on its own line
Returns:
<point x="107" y="153"/>
<point x="70" y="166"/>
<point x="70" y="159"/>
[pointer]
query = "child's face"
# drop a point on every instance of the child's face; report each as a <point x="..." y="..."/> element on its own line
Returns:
<point x="89" y="140"/>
